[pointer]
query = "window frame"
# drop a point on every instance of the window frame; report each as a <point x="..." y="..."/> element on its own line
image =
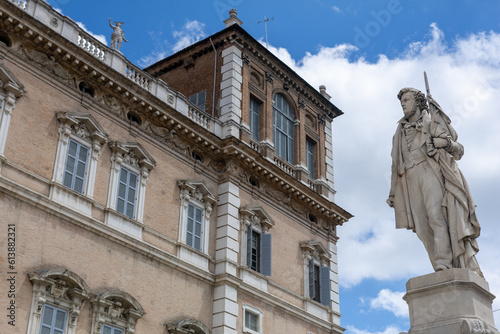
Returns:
<point x="83" y="129"/>
<point x="283" y="150"/>
<point x="197" y="194"/>
<point x="77" y="160"/>
<point x="317" y="289"/>
<point x="311" y="156"/>
<point x="134" y="158"/>
<point x="254" y="118"/>
<point x="197" y="99"/>
<point x="260" y="319"/>
<point x="196" y="208"/>
<point x="128" y="187"/>
<point x="256" y="221"/>
<point x="52" y="324"/>
<point x="113" y="329"/>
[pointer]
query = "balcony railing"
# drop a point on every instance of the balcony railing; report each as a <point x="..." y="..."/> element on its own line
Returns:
<point x="284" y="166"/>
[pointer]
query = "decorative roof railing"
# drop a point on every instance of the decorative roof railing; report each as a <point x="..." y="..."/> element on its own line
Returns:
<point x="69" y="29"/>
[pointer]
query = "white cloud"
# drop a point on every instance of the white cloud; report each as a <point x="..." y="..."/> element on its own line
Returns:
<point x="100" y="38"/>
<point x="192" y="32"/>
<point x="152" y="58"/>
<point x="464" y="78"/>
<point x="388" y="330"/>
<point x="391" y="301"/>
<point x="336" y="9"/>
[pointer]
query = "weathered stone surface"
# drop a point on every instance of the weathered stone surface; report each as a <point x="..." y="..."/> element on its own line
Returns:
<point x="450" y="301"/>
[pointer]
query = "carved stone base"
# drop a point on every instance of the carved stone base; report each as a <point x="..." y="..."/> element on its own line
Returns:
<point x="453" y="301"/>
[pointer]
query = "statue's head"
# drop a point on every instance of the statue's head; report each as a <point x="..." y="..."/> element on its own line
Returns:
<point x="412" y="100"/>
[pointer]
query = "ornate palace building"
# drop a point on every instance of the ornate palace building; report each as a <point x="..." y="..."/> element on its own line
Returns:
<point x="195" y="196"/>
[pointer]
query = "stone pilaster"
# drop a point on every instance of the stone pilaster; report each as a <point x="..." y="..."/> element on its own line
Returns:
<point x="329" y="158"/>
<point x="226" y="258"/>
<point x="230" y="103"/>
<point x="334" y="282"/>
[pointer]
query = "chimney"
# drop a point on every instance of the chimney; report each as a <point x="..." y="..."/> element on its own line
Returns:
<point x="233" y="19"/>
<point x="322" y="90"/>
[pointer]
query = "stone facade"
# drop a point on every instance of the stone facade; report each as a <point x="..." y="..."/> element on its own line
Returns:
<point x="148" y="233"/>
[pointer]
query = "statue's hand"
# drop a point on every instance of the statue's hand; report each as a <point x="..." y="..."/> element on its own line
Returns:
<point x="440" y="142"/>
<point x="390" y="201"/>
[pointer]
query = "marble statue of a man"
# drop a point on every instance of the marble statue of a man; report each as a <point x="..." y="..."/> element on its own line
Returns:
<point x="428" y="192"/>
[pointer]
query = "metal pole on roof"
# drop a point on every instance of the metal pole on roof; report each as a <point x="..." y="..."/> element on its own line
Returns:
<point x="265" y="28"/>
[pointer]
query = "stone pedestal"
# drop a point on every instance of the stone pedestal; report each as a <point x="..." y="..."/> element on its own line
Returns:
<point x="453" y="301"/>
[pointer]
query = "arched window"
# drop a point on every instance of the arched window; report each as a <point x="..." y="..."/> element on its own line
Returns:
<point x="283" y="128"/>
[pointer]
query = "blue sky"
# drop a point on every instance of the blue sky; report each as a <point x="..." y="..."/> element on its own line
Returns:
<point x="364" y="52"/>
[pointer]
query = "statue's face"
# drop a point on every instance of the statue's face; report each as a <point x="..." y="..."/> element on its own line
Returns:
<point x="408" y="104"/>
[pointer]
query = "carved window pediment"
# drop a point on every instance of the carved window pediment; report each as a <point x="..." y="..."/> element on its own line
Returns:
<point x="257" y="216"/>
<point x="132" y="154"/>
<point x="10" y="90"/>
<point x="82" y="125"/>
<point x="316" y="250"/>
<point x="198" y="191"/>
<point x="9" y="83"/>
<point x="58" y="287"/>
<point x="115" y="308"/>
<point x="188" y="326"/>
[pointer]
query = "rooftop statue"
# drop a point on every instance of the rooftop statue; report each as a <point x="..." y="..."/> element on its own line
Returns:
<point x="117" y="37"/>
<point x="428" y="192"/>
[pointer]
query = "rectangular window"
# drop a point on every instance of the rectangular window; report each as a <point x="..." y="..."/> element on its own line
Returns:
<point x="53" y="320"/>
<point x="106" y="329"/>
<point x="251" y="321"/>
<point x="310" y="148"/>
<point x="254" y="251"/>
<point x="319" y="283"/>
<point x="76" y="166"/>
<point x="199" y="99"/>
<point x="194" y="229"/>
<point x="254" y="118"/>
<point x="259" y="251"/>
<point x="127" y="193"/>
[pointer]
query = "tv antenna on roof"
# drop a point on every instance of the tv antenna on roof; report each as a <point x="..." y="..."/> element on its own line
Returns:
<point x="265" y="27"/>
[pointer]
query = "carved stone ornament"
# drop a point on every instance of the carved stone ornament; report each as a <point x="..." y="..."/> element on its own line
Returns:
<point x="321" y="119"/>
<point x="286" y="86"/>
<point x="246" y="59"/>
<point x="47" y="62"/>
<point x="475" y="326"/>
<point x="302" y="103"/>
<point x="218" y="166"/>
<point x="81" y="130"/>
<point x="112" y="102"/>
<point x="168" y="136"/>
<point x="269" y="77"/>
<point x="277" y="195"/>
